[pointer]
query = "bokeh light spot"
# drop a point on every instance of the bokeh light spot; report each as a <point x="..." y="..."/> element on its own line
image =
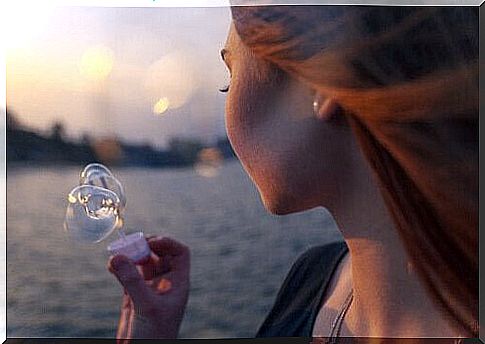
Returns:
<point x="96" y="63"/>
<point x="161" y="106"/>
<point x="173" y="75"/>
<point x="209" y="161"/>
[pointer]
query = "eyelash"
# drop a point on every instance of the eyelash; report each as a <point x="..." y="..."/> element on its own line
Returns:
<point x="224" y="89"/>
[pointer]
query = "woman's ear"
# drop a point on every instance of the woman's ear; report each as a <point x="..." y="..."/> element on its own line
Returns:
<point x="325" y="108"/>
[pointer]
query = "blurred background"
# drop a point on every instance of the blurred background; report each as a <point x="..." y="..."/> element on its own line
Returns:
<point x="137" y="90"/>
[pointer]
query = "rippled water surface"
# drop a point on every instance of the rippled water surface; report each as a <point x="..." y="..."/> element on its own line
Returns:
<point x="240" y="253"/>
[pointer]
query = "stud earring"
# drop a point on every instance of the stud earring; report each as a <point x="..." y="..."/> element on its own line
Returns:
<point x="323" y="107"/>
<point x="316" y="104"/>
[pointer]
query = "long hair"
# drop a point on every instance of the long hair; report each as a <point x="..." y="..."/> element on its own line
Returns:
<point x="407" y="80"/>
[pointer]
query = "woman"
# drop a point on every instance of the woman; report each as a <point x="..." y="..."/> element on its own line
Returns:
<point x="371" y="112"/>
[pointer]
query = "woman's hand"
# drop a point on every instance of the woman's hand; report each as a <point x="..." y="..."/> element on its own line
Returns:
<point x="156" y="292"/>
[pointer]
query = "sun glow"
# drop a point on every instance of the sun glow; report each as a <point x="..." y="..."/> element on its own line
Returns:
<point x="21" y="22"/>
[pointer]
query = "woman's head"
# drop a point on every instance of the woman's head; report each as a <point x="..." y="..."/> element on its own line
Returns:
<point x="404" y="82"/>
<point x="295" y="159"/>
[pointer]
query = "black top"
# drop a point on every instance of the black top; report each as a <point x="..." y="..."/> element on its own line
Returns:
<point x="299" y="298"/>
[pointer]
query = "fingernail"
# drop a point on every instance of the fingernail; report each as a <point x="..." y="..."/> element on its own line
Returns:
<point x="164" y="285"/>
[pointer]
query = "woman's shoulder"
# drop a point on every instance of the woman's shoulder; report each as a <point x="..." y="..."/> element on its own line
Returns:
<point x="297" y="301"/>
<point x="313" y="267"/>
<point x="325" y="254"/>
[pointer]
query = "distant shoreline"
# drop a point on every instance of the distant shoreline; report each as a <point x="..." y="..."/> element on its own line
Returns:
<point x="25" y="146"/>
<point x="63" y="164"/>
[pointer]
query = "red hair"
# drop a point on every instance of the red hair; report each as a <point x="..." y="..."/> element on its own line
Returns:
<point x="407" y="79"/>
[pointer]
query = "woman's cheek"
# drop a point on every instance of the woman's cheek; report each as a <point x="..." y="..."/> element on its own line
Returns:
<point x="263" y="140"/>
<point x="233" y="128"/>
<point x="241" y="139"/>
<point x="243" y="132"/>
<point x="259" y="159"/>
<point x="242" y="116"/>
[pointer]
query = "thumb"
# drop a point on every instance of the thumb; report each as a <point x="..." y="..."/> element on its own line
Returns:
<point x="129" y="277"/>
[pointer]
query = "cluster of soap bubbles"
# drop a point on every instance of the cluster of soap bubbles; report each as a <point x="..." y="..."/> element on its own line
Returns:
<point x="95" y="207"/>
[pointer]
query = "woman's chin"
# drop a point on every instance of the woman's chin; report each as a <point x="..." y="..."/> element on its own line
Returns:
<point x="282" y="204"/>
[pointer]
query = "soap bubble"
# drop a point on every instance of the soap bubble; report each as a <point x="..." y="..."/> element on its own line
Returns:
<point x="95" y="168"/>
<point x="93" y="213"/>
<point x="99" y="175"/>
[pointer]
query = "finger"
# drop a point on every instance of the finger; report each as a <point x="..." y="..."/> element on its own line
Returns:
<point x="127" y="274"/>
<point x="153" y="267"/>
<point x="178" y="275"/>
<point x="174" y="255"/>
<point x="167" y="246"/>
<point x="180" y="271"/>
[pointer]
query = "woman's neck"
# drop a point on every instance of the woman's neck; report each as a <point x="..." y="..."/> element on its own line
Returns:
<point x="389" y="299"/>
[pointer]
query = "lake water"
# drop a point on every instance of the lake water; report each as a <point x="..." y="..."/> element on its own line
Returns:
<point x="240" y="253"/>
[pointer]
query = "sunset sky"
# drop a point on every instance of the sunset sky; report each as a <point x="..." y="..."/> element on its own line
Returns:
<point x="143" y="74"/>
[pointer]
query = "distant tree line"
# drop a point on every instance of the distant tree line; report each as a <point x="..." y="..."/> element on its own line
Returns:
<point x="26" y="145"/>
